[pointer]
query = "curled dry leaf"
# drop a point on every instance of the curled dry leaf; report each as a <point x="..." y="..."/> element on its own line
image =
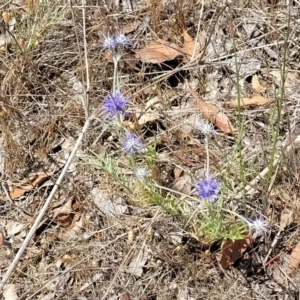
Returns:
<point x="212" y="113"/>
<point x="255" y="100"/>
<point x="33" y="180"/>
<point x="232" y="251"/>
<point x="294" y="259"/>
<point x="153" y="106"/>
<point x="64" y="210"/>
<point x="138" y="262"/>
<point x="68" y="214"/>
<point x="178" y="172"/>
<point x="256" y="85"/>
<point x="11" y="228"/>
<point x="109" y="205"/>
<point x="158" y="52"/>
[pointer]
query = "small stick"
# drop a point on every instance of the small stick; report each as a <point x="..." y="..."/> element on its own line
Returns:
<point x="272" y="247"/>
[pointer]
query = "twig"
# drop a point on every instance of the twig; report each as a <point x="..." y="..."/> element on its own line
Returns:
<point x="198" y="31"/>
<point x="272" y="246"/>
<point x="87" y="74"/>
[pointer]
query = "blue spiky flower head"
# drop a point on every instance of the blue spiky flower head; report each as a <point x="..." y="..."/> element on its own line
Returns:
<point x="122" y="40"/>
<point x="208" y="189"/>
<point x="109" y="42"/>
<point x="132" y="143"/>
<point x="116" y="41"/>
<point x="258" y="226"/>
<point x="115" y="104"/>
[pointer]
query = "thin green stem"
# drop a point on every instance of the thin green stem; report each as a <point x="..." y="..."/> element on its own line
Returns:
<point x="241" y="123"/>
<point x="132" y="162"/>
<point x="275" y="134"/>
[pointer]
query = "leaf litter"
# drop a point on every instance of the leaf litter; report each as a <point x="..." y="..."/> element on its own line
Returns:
<point x="28" y="185"/>
<point x="91" y="217"/>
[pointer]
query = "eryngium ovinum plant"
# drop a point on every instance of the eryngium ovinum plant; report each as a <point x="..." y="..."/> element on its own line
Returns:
<point x="203" y="209"/>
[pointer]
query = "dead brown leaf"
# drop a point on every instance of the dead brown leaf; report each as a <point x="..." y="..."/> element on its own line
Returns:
<point x="152" y="109"/>
<point x="286" y="218"/>
<point x="212" y="113"/>
<point x="65" y="209"/>
<point x="294" y="259"/>
<point x="28" y="6"/>
<point x="178" y="172"/>
<point x="232" y="251"/>
<point x="131" y="27"/>
<point x="124" y="294"/>
<point x="183" y="184"/>
<point x="33" y="180"/>
<point x="255" y="100"/>
<point x="138" y="262"/>
<point x="256" y="85"/>
<point x="68" y="214"/>
<point x="158" y="52"/>
<point x="1" y="239"/>
<point x="189" y="46"/>
<point x="290" y="80"/>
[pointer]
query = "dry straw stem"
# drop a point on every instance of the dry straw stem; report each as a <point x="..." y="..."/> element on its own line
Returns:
<point x="62" y="175"/>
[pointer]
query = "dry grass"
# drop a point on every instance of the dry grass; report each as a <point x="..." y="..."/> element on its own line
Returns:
<point x="87" y="252"/>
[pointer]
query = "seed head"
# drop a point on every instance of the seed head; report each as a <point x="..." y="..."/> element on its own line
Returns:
<point x="206" y="128"/>
<point x="132" y="143"/>
<point x="258" y="226"/>
<point x="115" y="104"/>
<point x="208" y="189"/>
<point x="122" y="40"/>
<point x="141" y="173"/>
<point x="109" y="42"/>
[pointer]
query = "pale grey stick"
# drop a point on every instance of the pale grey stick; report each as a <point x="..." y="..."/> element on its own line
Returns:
<point x="45" y="207"/>
<point x="272" y="246"/>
